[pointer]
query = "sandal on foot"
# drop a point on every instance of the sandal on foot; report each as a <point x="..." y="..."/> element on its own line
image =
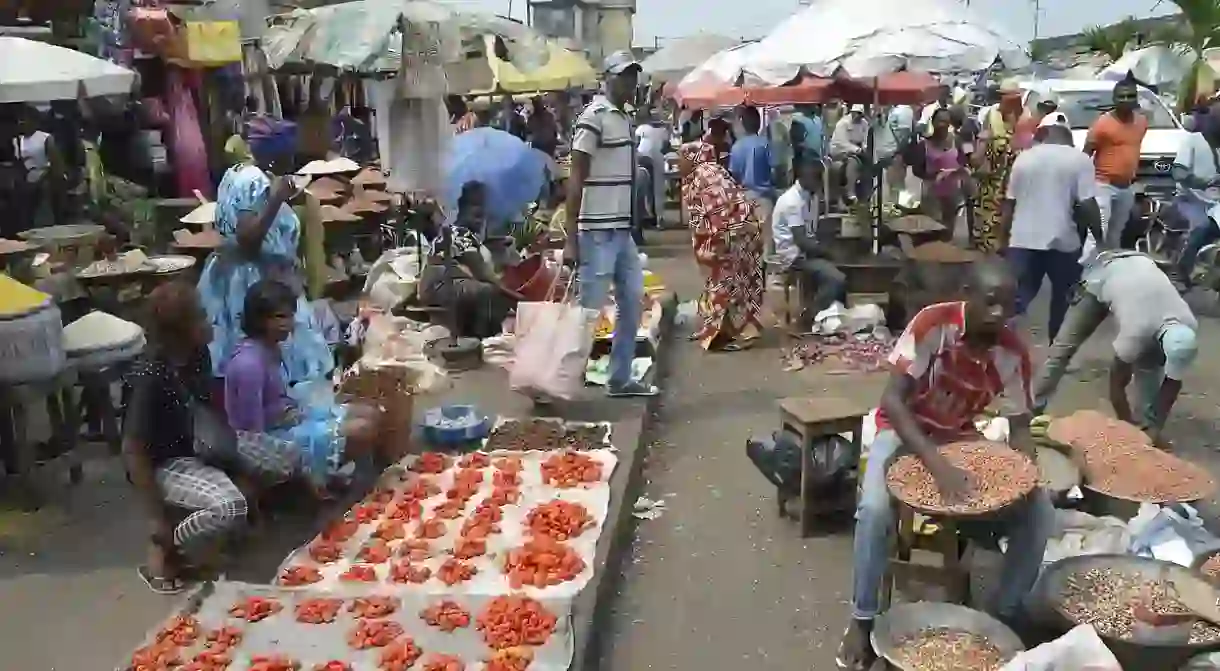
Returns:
<point x="160" y="584"/>
<point x="855" y="653"/>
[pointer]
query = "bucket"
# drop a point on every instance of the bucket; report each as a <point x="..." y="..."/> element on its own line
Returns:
<point x="531" y="278"/>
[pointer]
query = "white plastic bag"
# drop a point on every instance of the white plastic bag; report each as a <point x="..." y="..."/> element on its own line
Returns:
<point x="1080" y="533"/>
<point x="1081" y="649"/>
<point x="1172" y="533"/>
<point x="553" y="345"/>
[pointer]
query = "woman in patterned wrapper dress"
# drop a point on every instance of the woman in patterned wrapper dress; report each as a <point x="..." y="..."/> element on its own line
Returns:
<point x="728" y="248"/>
<point x="999" y="145"/>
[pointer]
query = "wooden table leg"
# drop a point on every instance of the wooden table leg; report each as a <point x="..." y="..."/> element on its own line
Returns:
<point x="25" y="456"/>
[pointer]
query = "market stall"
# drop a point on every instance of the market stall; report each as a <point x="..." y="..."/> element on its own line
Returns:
<point x="476" y="556"/>
<point x="1142" y="595"/>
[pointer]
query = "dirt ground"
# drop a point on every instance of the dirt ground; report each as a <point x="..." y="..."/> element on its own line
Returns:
<point x="718" y="581"/>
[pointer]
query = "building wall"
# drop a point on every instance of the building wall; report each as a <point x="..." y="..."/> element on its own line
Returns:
<point x="615" y="29"/>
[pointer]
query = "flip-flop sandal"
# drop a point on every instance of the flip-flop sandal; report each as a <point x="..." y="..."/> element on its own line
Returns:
<point x="160" y="584"/>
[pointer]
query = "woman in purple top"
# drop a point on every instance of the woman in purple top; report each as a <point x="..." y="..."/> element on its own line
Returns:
<point x="258" y="403"/>
<point x="944" y="172"/>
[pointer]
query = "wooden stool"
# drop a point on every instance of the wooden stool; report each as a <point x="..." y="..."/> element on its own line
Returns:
<point x="813" y="419"/>
<point x="21" y="453"/>
<point x="953" y="573"/>
<point x="97" y="401"/>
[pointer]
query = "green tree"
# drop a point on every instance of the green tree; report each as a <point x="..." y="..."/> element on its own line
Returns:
<point x="1111" y="41"/>
<point x="1198" y="29"/>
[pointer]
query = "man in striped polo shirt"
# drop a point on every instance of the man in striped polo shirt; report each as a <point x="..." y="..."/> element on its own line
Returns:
<point x="601" y="197"/>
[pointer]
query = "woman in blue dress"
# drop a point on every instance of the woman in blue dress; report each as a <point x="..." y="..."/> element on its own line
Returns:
<point x="260" y="234"/>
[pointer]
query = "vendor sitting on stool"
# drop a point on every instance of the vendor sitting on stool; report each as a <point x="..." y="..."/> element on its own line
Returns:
<point x="458" y="278"/>
<point x="949" y="364"/>
<point x="794" y="226"/>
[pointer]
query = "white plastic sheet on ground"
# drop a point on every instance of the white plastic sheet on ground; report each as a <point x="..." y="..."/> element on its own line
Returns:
<point x="1081" y="649"/>
<point x="32" y="71"/>
<point x="866" y="39"/>
<point x="490" y="578"/>
<point x="315" y="644"/>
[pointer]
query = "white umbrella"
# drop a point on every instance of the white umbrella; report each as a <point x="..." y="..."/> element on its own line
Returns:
<point x="32" y="71"/>
<point x="1156" y="66"/>
<point x="867" y="38"/>
<point x="675" y="60"/>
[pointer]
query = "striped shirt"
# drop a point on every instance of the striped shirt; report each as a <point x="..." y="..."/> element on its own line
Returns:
<point x="604" y="132"/>
<point x="954" y="382"/>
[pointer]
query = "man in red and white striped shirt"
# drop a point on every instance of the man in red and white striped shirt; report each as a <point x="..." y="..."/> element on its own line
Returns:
<point x="948" y="366"/>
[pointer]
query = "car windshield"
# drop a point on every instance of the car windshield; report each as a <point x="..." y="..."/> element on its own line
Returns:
<point x="1084" y="107"/>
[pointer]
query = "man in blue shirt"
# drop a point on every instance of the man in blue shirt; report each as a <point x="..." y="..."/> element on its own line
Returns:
<point x="750" y="164"/>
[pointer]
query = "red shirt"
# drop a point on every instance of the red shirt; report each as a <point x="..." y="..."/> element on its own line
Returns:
<point x="954" y="383"/>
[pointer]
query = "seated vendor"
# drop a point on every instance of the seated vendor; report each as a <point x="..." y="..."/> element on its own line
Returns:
<point x="458" y="278"/>
<point x="948" y="366"/>
<point x="794" y="227"/>
<point x="1156" y="340"/>
<point x="323" y="436"/>
<point x="261" y="234"/>
<point x="179" y="452"/>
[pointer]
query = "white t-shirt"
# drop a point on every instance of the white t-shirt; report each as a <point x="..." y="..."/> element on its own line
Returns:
<point x="849" y="135"/>
<point x="1197" y="155"/>
<point x="1141" y="298"/>
<point x="1046" y="182"/>
<point x="32" y="149"/>
<point x="795" y="208"/>
<point x="650" y="140"/>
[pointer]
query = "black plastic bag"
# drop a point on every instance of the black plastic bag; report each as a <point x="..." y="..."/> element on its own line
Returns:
<point x="778" y="458"/>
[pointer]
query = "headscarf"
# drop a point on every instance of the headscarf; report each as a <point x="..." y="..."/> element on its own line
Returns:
<point x="698" y="152"/>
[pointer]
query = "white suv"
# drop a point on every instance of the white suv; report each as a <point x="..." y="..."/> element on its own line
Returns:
<point x="1084" y="100"/>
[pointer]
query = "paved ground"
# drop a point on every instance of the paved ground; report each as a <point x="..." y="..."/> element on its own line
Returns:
<point x="717" y="582"/>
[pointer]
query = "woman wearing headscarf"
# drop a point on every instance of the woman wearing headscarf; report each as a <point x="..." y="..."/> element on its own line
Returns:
<point x="261" y="234"/>
<point x="998" y="148"/>
<point x="728" y="248"/>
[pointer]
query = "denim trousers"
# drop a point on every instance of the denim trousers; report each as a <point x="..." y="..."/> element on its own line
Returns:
<point x="1030" y="523"/>
<point x="1200" y="236"/>
<point x="609" y="260"/>
<point x="1116" y="204"/>
<point x="1030" y="266"/>
<point x="1081" y="321"/>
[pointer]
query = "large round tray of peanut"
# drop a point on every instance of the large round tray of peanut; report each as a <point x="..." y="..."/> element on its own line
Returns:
<point x="1119" y="461"/>
<point x="997" y="476"/>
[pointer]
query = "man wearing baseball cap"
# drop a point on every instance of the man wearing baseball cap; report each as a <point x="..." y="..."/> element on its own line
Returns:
<point x="1051" y="198"/>
<point x="1155" y="345"/>
<point x="601" y="200"/>
<point x="847" y="148"/>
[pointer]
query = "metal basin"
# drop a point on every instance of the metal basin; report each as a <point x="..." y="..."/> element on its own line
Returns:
<point x="1048" y="596"/>
<point x="911" y="618"/>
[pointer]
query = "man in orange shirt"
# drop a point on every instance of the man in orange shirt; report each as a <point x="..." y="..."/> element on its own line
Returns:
<point x="1114" y="143"/>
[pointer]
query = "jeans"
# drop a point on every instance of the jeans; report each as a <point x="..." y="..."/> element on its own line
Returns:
<point x="1199" y="237"/>
<point x="1116" y="204"/>
<point x="639" y="211"/>
<point x="1081" y="321"/>
<point x="1029" y="525"/>
<point x="821" y="284"/>
<point x="1030" y="266"/>
<point x="609" y="258"/>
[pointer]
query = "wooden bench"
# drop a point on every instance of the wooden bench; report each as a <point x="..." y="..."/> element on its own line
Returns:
<point x="813" y="419"/>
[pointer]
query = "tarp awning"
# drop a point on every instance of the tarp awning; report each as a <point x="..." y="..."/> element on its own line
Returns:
<point x="32" y="71"/>
<point x="563" y="69"/>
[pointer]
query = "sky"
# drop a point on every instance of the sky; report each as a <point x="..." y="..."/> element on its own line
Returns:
<point x="676" y="18"/>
